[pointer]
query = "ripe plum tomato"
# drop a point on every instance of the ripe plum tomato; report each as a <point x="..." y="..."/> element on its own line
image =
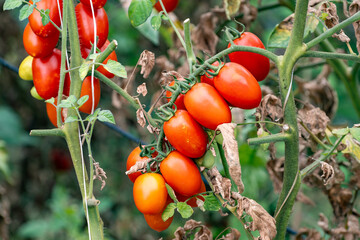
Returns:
<point x="181" y="173"/>
<point x="155" y="220"/>
<point x="169" y="5"/>
<point x="133" y="158"/>
<point x="206" y="106"/>
<point x="150" y="193"/>
<point x="96" y="3"/>
<point x="25" y="69"/>
<point x="192" y="201"/>
<point x="238" y="86"/>
<point x="186" y="135"/>
<point x="257" y="64"/>
<point x="37" y="46"/>
<point x="86" y="89"/>
<point x="179" y="102"/>
<point x="36" y="22"/>
<point x="86" y="25"/>
<point x="51" y="112"/>
<point x="209" y="80"/>
<point x="46" y="75"/>
<point x="86" y="51"/>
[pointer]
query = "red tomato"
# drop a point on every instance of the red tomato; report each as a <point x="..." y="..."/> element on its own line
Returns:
<point x="186" y="135"/>
<point x="86" y="25"/>
<point x="133" y="158"/>
<point x="179" y="102"/>
<point x="86" y="51"/>
<point x="150" y="193"/>
<point x="51" y="112"/>
<point x="96" y="3"/>
<point x="36" y="22"/>
<point x="155" y="220"/>
<point x="257" y="64"/>
<point x="181" y="173"/>
<point x="37" y="46"/>
<point x="192" y="201"/>
<point x="238" y="86"/>
<point x="46" y="75"/>
<point x="169" y="5"/>
<point x="87" y="89"/>
<point x="206" y="106"/>
<point x="209" y="80"/>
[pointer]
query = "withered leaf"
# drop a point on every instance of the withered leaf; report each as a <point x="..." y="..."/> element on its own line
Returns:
<point x="140" y="117"/>
<point x="328" y="172"/>
<point x="168" y="76"/>
<point x="147" y="62"/>
<point x="202" y="234"/>
<point x="270" y="107"/>
<point x="141" y="89"/>
<point x="204" y="36"/>
<point x="354" y="8"/>
<point x="308" y="234"/>
<point x="233" y="235"/>
<point x="231" y="7"/>
<point x="138" y="166"/>
<point x="220" y="184"/>
<point x="100" y="175"/>
<point x="315" y="119"/>
<point x="262" y="220"/>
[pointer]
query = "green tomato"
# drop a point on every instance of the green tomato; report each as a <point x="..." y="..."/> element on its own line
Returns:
<point x="35" y="94"/>
<point x="207" y="160"/>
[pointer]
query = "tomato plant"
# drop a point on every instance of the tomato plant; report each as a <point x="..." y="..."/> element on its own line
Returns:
<point x="181" y="173"/>
<point x="150" y="193"/>
<point x="90" y="88"/>
<point x="133" y="158"/>
<point x="206" y="106"/>
<point x="169" y="5"/>
<point x="46" y="75"/>
<point x="95" y="3"/>
<point x="86" y="25"/>
<point x="37" y="46"/>
<point x="179" y="102"/>
<point x="35" y="19"/>
<point x="257" y="64"/>
<point x="238" y="86"/>
<point x="51" y="112"/>
<point x="25" y="69"/>
<point x="186" y="135"/>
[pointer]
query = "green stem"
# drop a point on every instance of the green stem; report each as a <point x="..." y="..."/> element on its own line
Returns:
<point x="188" y="45"/>
<point x="331" y="55"/>
<point x="56" y="132"/>
<point x="278" y="137"/>
<point x="314" y="136"/>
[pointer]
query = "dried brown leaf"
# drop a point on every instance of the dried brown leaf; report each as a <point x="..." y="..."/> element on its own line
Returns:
<point x="147" y="62"/>
<point x="308" y="234"/>
<point x="152" y="129"/>
<point x="239" y="207"/>
<point x="315" y="119"/>
<point x="169" y="76"/>
<point x="231" y="7"/>
<point x="204" y="233"/>
<point x="323" y="222"/>
<point x="262" y="220"/>
<point x="233" y="235"/>
<point x="328" y="172"/>
<point x="203" y="35"/>
<point x="141" y="117"/>
<point x="139" y="166"/>
<point x="354" y="8"/>
<point x="99" y="174"/>
<point x="270" y="107"/>
<point x="220" y="184"/>
<point x="249" y="13"/>
<point x="141" y="89"/>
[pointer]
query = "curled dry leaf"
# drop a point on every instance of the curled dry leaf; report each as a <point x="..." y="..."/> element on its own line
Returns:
<point x="262" y="220"/>
<point x="308" y="234"/>
<point x="270" y="107"/>
<point x="233" y="235"/>
<point x="169" y="76"/>
<point x="141" y="89"/>
<point x="190" y="225"/>
<point x="203" y="35"/>
<point x="354" y="8"/>
<point x="249" y="13"/>
<point x="140" y="117"/>
<point x="147" y="62"/>
<point x="315" y="119"/>
<point x="328" y="172"/>
<point x="100" y="174"/>
<point x="139" y="166"/>
<point x="231" y="7"/>
<point x="239" y="207"/>
<point x="220" y="184"/>
<point x="153" y="129"/>
<point x="231" y="150"/>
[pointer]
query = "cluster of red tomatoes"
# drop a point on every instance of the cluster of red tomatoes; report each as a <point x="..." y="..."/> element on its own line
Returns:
<point x="43" y="64"/>
<point x="206" y="105"/>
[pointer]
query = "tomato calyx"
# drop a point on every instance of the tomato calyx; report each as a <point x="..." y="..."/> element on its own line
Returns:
<point x="232" y="33"/>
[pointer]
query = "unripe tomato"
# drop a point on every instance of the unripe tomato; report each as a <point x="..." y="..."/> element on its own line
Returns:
<point x="186" y="135"/>
<point x="25" y="69"/>
<point x="37" y="46"/>
<point x="87" y="89"/>
<point x="155" y="220"/>
<point x="207" y="161"/>
<point x="181" y="173"/>
<point x="209" y="80"/>
<point x="238" y="86"/>
<point x="86" y="51"/>
<point x="133" y="158"/>
<point x="35" y="94"/>
<point x="95" y="3"/>
<point x="86" y="25"/>
<point x="46" y="75"/>
<point x="51" y="112"/>
<point x="35" y="19"/>
<point x="192" y="201"/>
<point x="150" y="193"/>
<point x="257" y="64"/>
<point x="206" y="106"/>
<point x="179" y="102"/>
<point x="169" y="5"/>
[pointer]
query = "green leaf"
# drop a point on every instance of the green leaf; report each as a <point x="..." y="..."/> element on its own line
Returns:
<point x="94" y="56"/>
<point x="106" y="116"/>
<point x="231" y="7"/>
<point x="341" y="131"/>
<point x="26" y="11"/>
<point x="351" y="147"/>
<point x="355" y="132"/>
<point x="83" y="70"/>
<point x="45" y="18"/>
<point x="82" y="100"/>
<point x="68" y="103"/>
<point x="51" y="100"/>
<point x="139" y="11"/>
<point x="116" y="68"/>
<point x="211" y="203"/>
<point x="156" y="22"/>
<point x="168" y="212"/>
<point x="11" y="4"/>
<point x="184" y="209"/>
<point x="93" y="117"/>
<point x="71" y="119"/>
<point x="171" y="192"/>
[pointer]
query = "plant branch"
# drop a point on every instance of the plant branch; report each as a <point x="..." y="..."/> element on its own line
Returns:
<point x="331" y="55"/>
<point x="278" y="137"/>
<point x="188" y="45"/>
<point x="313" y="135"/>
<point x="56" y="132"/>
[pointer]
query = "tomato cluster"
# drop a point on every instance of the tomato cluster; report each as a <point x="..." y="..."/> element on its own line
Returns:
<point x="43" y="64"/>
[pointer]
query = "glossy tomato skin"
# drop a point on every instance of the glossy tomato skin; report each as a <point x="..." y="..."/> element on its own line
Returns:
<point x="169" y="5"/>
<point x="86" y="25"/>
<point x="46" y="75"/>
<point x="207" y="78"/>
<point x="51" y="112"/>
<point x="86" y="51"/>
<point x="37" y="46"/>
<point x="192" y="201"/>
<point x="179" y="102"/>
<point x="96" y="3"/>
<point x="206" y="106"/>
<point x="150" y="193"/>
<point x="181" y="173"/>
<point x="186" y="135"/>
<point x="257" y="64"/>
<point x="86" y="89"/>
<point x="238" y="86"/>
<point x="133" y="158"/>
<point x="155" y="220"/>
<point x="35" y="18"/>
